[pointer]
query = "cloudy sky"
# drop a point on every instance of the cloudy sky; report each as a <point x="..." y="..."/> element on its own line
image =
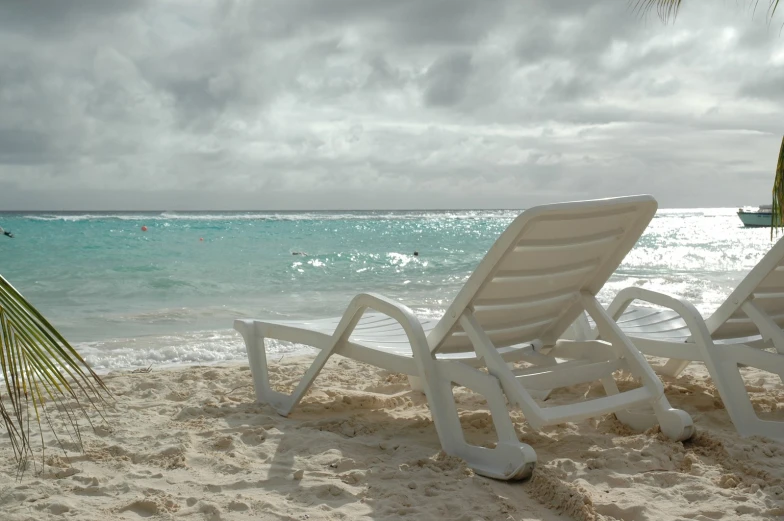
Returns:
<point x="332" y="104"/>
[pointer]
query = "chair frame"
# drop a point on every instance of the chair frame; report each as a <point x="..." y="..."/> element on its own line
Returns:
<point x="501" y="385"/>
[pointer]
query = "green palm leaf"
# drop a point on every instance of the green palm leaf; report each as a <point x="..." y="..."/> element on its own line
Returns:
<point x="777" y="220"/>
<point x="42" y="375"/>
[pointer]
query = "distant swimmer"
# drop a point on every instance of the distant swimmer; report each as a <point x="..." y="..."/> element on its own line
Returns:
<point x="299" y="253"/>
<point x="416" y="254"/>
<point x="9" y="234"/>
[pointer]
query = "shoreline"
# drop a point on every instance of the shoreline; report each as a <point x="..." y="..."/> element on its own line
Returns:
<point x="191" y="442"/>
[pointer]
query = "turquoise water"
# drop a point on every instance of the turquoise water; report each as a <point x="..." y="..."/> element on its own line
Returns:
<point x="168" y="295"/>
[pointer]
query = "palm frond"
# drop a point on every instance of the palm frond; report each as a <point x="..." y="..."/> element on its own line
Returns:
<point x="39" y="367"/>
<point x="668" y="9"/>
<point x="777" y="219"/>
<point x="772" y="7"/>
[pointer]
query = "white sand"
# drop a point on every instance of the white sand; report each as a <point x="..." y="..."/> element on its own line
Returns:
<point x="191" y="443"/>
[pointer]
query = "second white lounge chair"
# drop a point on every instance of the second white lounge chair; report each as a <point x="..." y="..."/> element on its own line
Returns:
<point x="540" y="274"/>
<point x="746" y="330"/>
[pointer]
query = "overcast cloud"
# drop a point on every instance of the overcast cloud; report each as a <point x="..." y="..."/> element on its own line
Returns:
<point x="177" y="104"/>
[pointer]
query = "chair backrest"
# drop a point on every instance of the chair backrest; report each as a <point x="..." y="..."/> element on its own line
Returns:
<point x="528" y="287"/>
<point x="765" y="284"/>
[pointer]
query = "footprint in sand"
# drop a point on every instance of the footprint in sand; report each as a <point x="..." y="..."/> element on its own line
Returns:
<point x="142" y="508"/>
<point x="254" y="437"/>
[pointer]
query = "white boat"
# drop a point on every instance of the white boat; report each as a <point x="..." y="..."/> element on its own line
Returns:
<point x="762" y="216"/>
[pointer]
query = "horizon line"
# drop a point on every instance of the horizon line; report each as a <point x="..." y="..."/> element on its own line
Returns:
<point x="340" y="210"/>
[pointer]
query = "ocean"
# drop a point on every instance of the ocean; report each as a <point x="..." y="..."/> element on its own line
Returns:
<point x="128" y="298"/>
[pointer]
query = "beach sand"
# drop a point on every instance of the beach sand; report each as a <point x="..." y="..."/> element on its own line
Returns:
<point x="192" y="443"/>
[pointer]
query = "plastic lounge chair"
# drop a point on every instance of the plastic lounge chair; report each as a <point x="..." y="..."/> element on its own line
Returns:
<point x="541" y="273"/>
<point x="741" y="332"/>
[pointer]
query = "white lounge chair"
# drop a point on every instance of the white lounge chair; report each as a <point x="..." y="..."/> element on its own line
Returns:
<point x="540" y="274"/>
<point x="746" y="330"/>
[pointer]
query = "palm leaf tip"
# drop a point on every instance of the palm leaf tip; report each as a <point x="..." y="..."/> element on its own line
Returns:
<point x="39" y="366"/>
<point x="668" y="9"/>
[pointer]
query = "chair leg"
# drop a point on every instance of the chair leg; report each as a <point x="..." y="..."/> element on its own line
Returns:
<point x="736" y="398"/>
<point x="510" y="459"/>
<point x="257" y="357"/>
<point x="674" y="367"/>
<point x="723" y="366"/>
<point x="415" y="383"/>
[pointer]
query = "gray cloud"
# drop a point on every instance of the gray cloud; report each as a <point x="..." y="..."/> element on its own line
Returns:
<point x="371" y="103"/>
<point x="54" y="20"/>
<point x="446" y="79"/>
<point x="765" y="86"/>
<point x="22" y="147"/>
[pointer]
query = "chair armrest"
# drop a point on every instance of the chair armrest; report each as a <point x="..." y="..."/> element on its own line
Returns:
<point x="393" y="309"/>
<point x="682" y="307"/>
